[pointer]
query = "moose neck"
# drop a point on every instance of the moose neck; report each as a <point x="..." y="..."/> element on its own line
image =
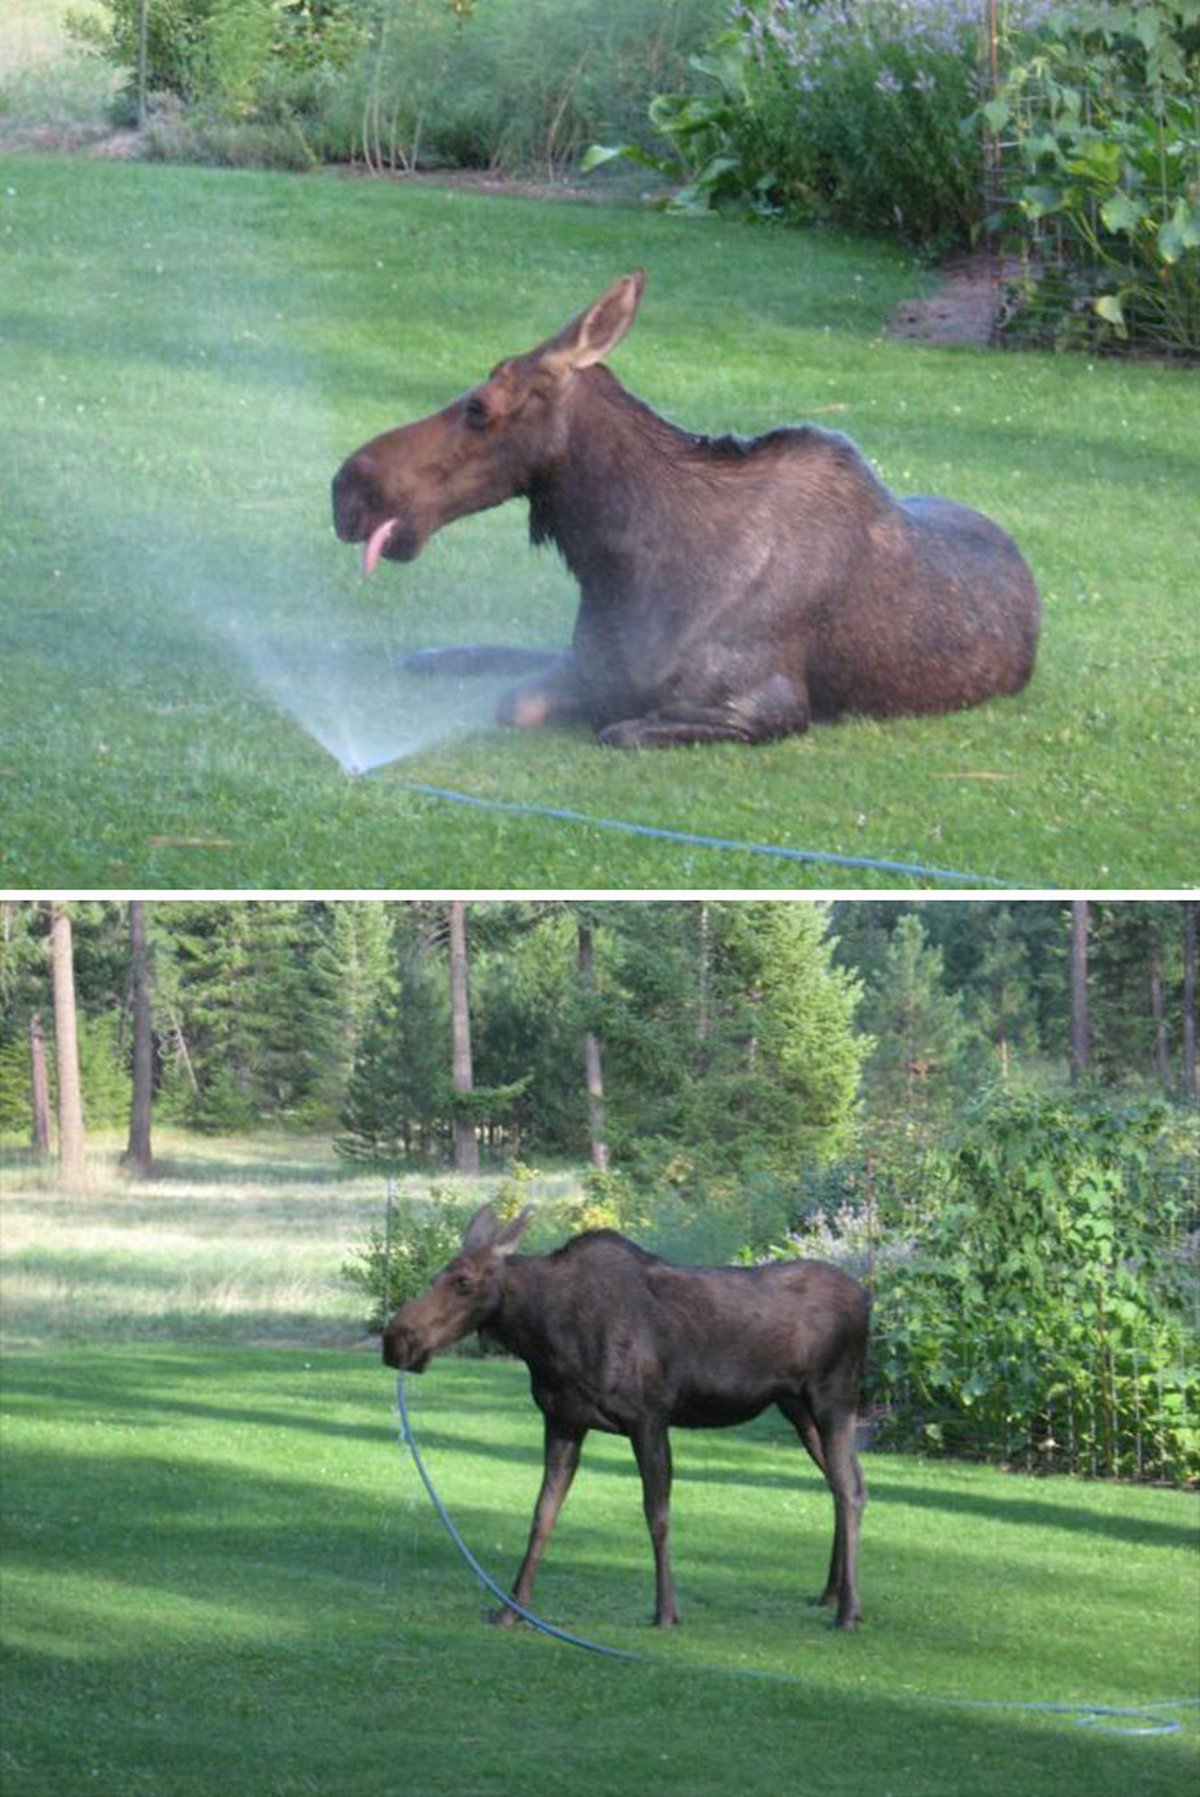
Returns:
<point x="519" y="1321"/>
<point x="620" y="481"/>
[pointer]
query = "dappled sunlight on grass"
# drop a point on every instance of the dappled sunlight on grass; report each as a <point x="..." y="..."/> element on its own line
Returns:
<point x="199" y="1532"/>
<point x="233" y="1240"/>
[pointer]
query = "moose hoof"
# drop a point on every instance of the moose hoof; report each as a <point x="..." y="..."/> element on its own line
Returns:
<point x="501" y="1619"/>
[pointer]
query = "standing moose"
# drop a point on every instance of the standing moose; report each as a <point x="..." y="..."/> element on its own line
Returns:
<point x="616" y="1339"/>
<point x="731" y="588"/>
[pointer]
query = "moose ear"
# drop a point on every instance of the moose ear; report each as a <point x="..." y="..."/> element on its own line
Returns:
<point x="508" y="1238"/>
<point x="596" y="332"/>
<point x="484" y="1232"/>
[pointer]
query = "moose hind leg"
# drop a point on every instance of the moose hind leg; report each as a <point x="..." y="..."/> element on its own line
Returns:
<point x="845" y="1479"/>
<point x="561" y="1464"/>
<point x="779" y="707"/>
<point x="652" y="1449"/>
<point x="830" y="1442"/>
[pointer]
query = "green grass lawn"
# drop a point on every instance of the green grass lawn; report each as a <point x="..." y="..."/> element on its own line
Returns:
<point x="189" y="354"/>
<point x="220" y="1569"/>
<point x="221" y="1573"/>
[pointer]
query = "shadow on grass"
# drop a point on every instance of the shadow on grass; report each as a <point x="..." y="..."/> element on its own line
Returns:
<point x="491" y="1388"/>
<point x="295" y="1590"/>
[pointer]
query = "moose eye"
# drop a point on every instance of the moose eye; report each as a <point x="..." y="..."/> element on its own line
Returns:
<point x="475" y="412"/>
<point x="464" y="1283"/>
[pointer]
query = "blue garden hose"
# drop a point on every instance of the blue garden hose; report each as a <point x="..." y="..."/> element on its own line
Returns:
<point x="1140" y="1719"/>
<point x="776" y="851"/>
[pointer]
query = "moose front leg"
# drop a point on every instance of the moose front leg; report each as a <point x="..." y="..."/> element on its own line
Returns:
<point x="652" y="1449"/>
<point x="555" y="697"/>
<point x="560" y="1464"/>
<point x="778" y="707"/>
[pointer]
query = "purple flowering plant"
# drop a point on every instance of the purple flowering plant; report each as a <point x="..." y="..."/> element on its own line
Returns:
<point x="851" y="109"/>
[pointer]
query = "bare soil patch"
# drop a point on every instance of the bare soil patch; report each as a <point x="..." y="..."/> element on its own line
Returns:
<point x="966" y="307"/>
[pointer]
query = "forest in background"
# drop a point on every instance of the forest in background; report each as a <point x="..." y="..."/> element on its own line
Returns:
<point x="810" y="1024"/>
<point x="986" y="1111"/>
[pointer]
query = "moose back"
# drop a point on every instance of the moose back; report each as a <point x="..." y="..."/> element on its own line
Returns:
<point x="619" y="1340"/>
<point x="730" y="588"/>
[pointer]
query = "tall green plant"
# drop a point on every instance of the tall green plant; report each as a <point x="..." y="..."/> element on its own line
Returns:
<point x="852" y="109"/>
<point x="1105" y="120"/>
<point x="1049" y="1314"/>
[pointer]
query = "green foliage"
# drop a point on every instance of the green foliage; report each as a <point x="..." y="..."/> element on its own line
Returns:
<point x="397" y="1103"/>
<point x="514" y="84"/>
<point x="1105" y="113"/>
<point x="1047" y="1313"/>
<point x="396" y="1260"/>
<point x="16" y="1087"/>
<point x="846" y="110"/>
<point x="229" y="58"/>
<point x="104" y="1074"/>
<point x="916" y="1068"/>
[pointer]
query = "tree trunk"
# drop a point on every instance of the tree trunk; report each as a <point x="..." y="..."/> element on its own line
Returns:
<point x="1191" y="1093"/>
<point x="1162" y="1059"/>
<point x="137" y="1156"/>
<point x="1081" y="1053"/>
<point x="593" y="1072"/>
<point x="466" y="1142"/>
<point x="71" y="1160"/>
<point x="40" y="1089"/>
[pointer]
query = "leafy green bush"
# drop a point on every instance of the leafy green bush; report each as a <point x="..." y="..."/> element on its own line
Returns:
<point x="1105" y="117"/>
<point x="232" y="58"/>
<point x="852" y="109"/>
<point x="396" y="1259"/>
<point x="1047" y="1313"/>
<point x="507" y="84"/>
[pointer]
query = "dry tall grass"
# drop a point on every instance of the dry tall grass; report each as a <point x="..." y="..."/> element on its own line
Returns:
<point x="229" y="1241"/>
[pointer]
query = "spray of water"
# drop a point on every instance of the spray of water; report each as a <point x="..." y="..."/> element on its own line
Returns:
<point x="353" y="697"/>
<point x="240" y="553"/>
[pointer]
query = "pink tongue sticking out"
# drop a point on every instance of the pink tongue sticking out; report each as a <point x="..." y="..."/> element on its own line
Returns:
<point x="375" y="544"/>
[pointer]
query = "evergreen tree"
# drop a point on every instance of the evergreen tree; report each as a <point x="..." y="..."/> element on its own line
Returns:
<point x="242" y="984"/>
<point x="104" y="1076"/>
<point x="1000" y="995"/>
<point x="16" y="1086"/>
<point x="347" y="971"/>
<point x="783" y="1059"/>
<point x="399" y="1100"/>
<point x="919" y="1060"/>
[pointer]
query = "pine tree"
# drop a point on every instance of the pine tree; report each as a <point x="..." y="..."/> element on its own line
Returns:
<point x="241" y="985"/>
<point x="921" y="1037"/>
<point x="1001" y="993"/>
<point x="398" y="1102"/>
<point x="347" y="970"/>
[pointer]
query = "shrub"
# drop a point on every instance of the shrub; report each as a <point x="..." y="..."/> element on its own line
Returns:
<point x="1105" y="175"/>
<point x="230" y="57"/>
<point x="396" y="1260"/>
<point x="1047" y="1314"/>
<point x="852" y="109"/>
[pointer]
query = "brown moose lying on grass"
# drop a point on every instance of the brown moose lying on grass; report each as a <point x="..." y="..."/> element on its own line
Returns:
<point x="732" y="589"/>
